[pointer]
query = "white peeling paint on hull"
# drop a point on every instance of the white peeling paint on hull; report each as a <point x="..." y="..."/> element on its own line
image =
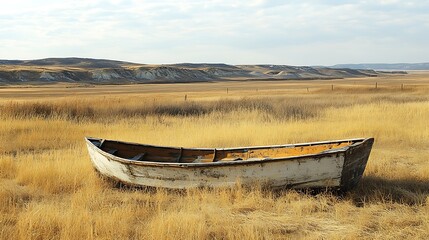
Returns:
<point x="302" y="172"/>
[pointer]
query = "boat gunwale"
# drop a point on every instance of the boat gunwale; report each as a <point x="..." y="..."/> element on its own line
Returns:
<point x="357" y="142"/>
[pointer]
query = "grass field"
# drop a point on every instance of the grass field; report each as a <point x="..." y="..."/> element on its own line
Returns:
<point x="48" y="189"/>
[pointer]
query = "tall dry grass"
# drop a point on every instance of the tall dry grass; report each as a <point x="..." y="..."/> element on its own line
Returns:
<point x="48" y="189"/>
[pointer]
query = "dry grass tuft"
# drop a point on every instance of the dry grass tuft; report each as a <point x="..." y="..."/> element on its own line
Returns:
<point x="48" y="189"/>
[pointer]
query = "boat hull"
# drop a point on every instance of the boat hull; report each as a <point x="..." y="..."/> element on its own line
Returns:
<point x="331" y="169"/>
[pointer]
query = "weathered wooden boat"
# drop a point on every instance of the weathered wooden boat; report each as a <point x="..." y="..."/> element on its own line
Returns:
<point x="330" y="164"/>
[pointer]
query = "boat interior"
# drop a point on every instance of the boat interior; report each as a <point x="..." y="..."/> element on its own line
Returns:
<point x="148" y="153"/>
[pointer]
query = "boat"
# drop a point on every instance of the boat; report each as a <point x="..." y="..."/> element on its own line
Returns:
<point x="329" y="164"/>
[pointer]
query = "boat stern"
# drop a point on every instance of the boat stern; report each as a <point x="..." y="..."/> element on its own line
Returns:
<point x="355" y="161"/>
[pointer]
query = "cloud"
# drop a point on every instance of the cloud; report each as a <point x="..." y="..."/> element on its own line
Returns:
<point x="282" y="32"/>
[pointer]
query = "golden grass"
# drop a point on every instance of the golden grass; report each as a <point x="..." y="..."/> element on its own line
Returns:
<point x="48" y="189"/>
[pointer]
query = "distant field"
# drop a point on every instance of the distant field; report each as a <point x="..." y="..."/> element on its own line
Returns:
<point x="415" y="81"/>
<point x="48" y="189"/>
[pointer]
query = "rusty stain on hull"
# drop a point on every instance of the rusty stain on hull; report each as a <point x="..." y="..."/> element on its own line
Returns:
<point x="319" y="164"/>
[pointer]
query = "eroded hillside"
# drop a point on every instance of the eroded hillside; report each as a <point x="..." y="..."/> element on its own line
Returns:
<point x="109" y="71"/>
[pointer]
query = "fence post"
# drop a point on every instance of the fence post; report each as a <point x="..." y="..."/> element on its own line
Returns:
<point x="308" y="90"/>
<point x="227" y="90"/>
<point x="186" y="97"/>
<point x="402" y="87"/>
<point x="332" y="87"/>
<point x="376" y="85"/>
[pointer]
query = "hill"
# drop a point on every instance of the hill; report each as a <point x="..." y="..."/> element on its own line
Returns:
<point x="68" y="62"/>
<point x="386" y="66"/>
<point x="110" y="71"/>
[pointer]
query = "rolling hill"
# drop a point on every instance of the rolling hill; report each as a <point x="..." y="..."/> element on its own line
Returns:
<point x="109" y="71"/>
<point x="386" y="66"/>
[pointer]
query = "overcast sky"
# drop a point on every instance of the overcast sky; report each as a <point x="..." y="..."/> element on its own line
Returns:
<point x="308" y="32"/>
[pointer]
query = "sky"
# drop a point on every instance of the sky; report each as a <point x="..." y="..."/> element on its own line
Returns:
<point x="306" y="32"/>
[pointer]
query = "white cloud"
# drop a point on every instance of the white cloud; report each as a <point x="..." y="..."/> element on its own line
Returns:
<point x="292" y="32"/>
